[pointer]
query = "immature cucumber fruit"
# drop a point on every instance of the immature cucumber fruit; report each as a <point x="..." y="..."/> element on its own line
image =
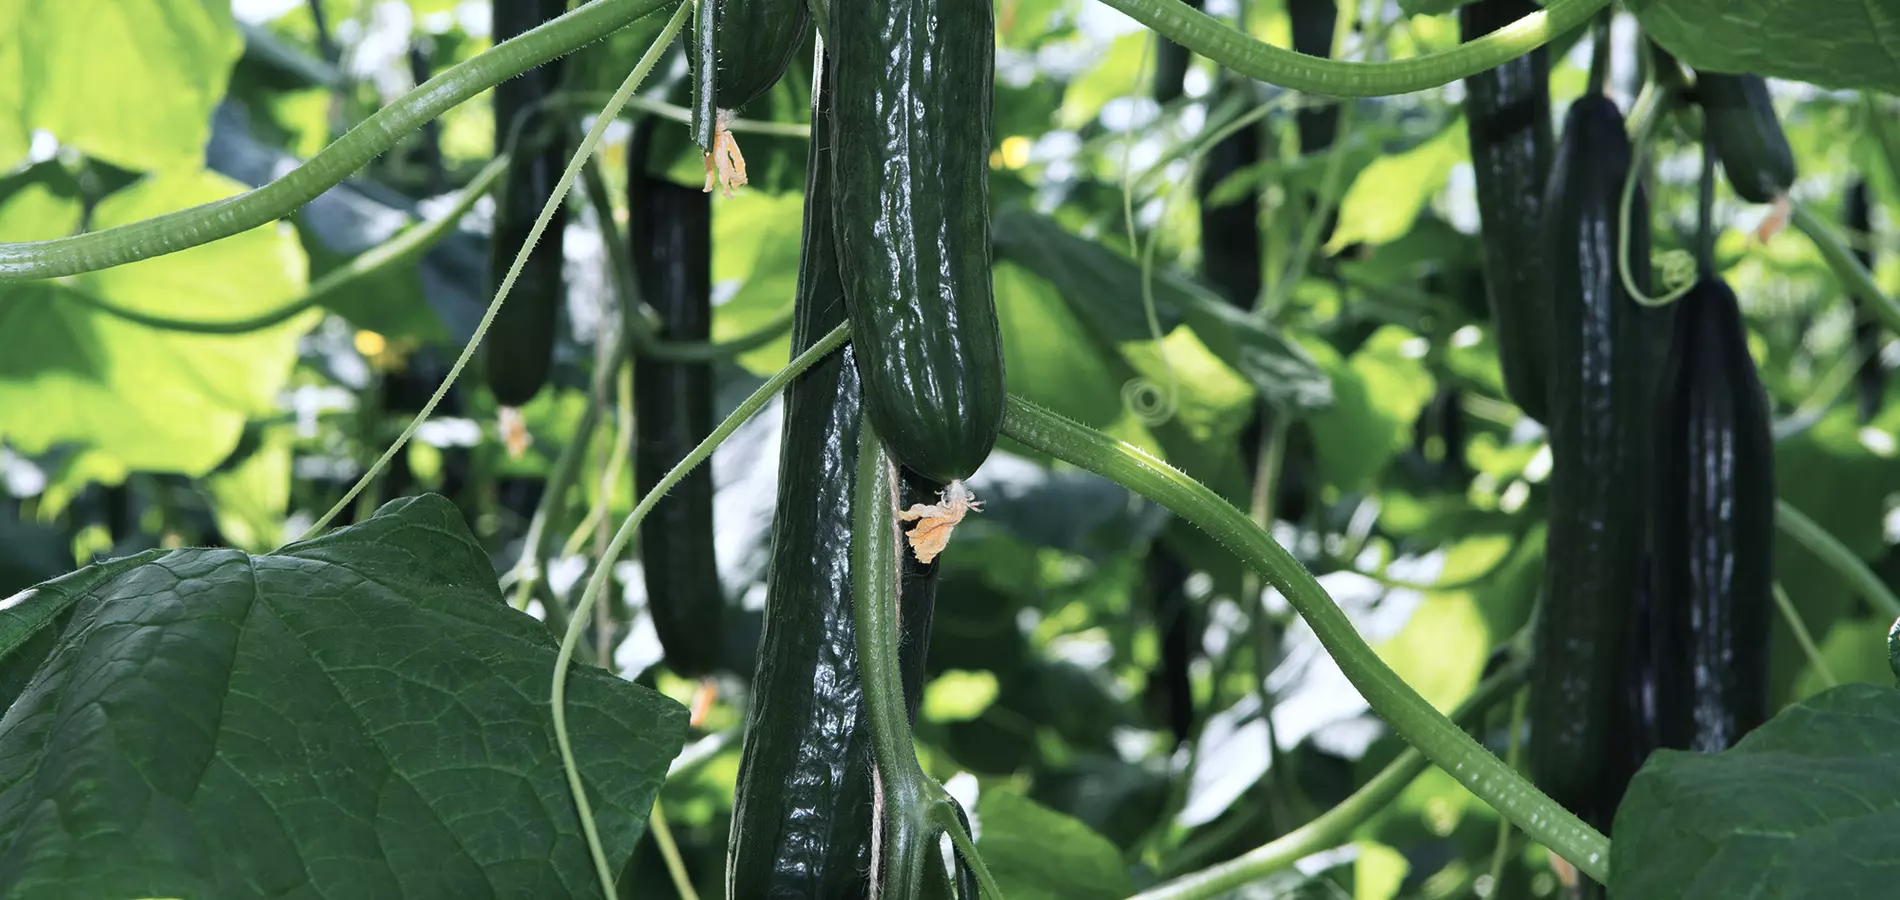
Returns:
<point x="801" y="825"/>
<point x="1740" y="123"/>
<point x="911" y="163"/>
<point x="1605" y="351"/>
<point x="1871" y="379"/>
<point x="518" y="352"/>
<point x="670" y="236"/>
<point x="1507" y="116"/>
<point x="1713" y="521"/>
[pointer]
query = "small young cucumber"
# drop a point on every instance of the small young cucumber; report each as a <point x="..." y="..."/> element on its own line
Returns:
<point x="1507" y="117"/>
<point x="1713" y="527"/>
<point x="911" y="156"/>
<point x="1740" y="123"/>
<point x="518" y="352"/>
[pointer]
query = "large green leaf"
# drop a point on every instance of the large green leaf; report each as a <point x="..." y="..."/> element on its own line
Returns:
<point x="1805" y="806"/>
<point x="1104" y="288"/>
<point x="360" y="716"/>
<point x="1388" y="195"/>
<point x="1037" y="853"/>
<point x="1380" y="392"/>
<point x="130" y="83"/>
<point x="155" y="400"/>
<point x="1832" y="43"/>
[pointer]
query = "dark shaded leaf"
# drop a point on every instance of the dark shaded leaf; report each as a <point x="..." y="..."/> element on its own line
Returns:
<point x="358" y="715"/>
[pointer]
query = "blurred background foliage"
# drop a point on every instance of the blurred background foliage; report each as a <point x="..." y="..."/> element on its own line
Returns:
<point x="1406" y="467"/>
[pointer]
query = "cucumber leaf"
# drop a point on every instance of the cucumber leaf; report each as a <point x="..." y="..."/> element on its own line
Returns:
<point x="1840" y="44"/>
<point x="1037" y="853"/>
<point x="358" y="715"/>
<point x="1805" y="806"/>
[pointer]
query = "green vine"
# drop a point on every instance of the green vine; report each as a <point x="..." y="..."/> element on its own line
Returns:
<point x="1837" y="556"/>
<point x="1336" y="825"/>
<point x="1845" y="266"/>
<point x="1678" y="266"/>
<point x="1442" y="742"/>
<point x="912" y="810"/>
<point x="1260" y="61"/>
<point x="208" y="222"/>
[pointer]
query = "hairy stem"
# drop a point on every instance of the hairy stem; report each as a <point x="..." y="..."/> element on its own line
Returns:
<point x="1390" y="697"/>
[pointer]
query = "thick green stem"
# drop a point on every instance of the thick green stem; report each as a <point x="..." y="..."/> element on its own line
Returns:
<point x="1221" y="43"/>
<point x="1442" y="742"/>
<point x="1336" y="825"/>
<point x="1840" y="258"/>
<point x="1802" y="638"/>
<point x="400" y="250"/>
<point x="603" y="570"/>
<point x="1843" y="561"/>
<point x="203" y="224"/>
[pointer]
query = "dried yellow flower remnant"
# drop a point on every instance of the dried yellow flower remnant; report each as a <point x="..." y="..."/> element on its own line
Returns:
<point x="936" y="521"/>
<point x="514" y="432"/>
<point x="725" y="165"/>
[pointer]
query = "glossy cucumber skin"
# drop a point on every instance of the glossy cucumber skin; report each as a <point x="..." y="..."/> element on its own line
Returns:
<point x="1714" y="526"/>
<point x="518" y="352"/>
<point x="1605" y="351"/>
<point x="1507" y="117"/>
<point x="1871" y="379"/>
<point x="801" y="825"/>
<point x="911" y="161"/>
<point x="1740" y="123"/>
<point x="754" y="44"/>
<point x="670" y="236"/>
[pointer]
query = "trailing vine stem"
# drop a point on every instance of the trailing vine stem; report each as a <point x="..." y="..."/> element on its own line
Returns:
<point x="558" y="196"/>
<point x="1845" y="562"/>
<point x="1680" y="278"/>
<point x="1336" y="825"/>
<point x="603" y="567"/>
<point x="1442" y="742"/>
<point x="911" y="809"/>
<point x="1261" y="61"/>
<point x="1802" y="637"/>
<point x="400" y="250"/>
<point x="218" y="219"/>
<point x="1848" y="269"/>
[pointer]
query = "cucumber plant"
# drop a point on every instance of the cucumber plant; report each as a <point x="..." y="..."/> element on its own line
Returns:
<point x="388" y="643"/>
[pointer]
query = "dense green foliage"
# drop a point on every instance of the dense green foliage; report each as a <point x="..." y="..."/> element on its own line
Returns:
<point x="1293" y="420"/>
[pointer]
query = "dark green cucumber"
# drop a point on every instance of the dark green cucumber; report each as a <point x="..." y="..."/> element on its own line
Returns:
<point x="1507" y="116"/>
<point x="1605" y="349"/>
<point x="1230" y="233"/>
<point x="1739" y="123"/>
<point x="1171" y="64"/>
<point x="518" y="352"/>
<point x="1871" y="379"/>
<point x="670" y="236"/>
<point x="749" y="43"/>
<point x="1313" y="22"/>
<point x="1713" y="527"/>
<point x="911" y="161"/>
<point x="801" y="825"/>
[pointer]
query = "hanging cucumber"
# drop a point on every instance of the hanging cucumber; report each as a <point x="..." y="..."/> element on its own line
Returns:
<point x="739" y="49"/>
<point x="1740" y="124"/>
<point x="1713" y="521"/>
<point x="1871" y="379"/>
<point x="1507" y="117"/>
<point x="1171" y="64"/>
<point x="670" y="237"/>
<point x="801" y="825"/>
<point x="1605" y="348"/>
<point x="519" y="350"/>
<point x="911" y="162"/>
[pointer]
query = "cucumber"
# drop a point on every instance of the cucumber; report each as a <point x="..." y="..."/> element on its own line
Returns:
<point x="1507" y="117"/>
<point x="518" y="352"/>
<point x="1713" y="527"/>
<point x="1313" y="22"/>
<point x="1171" y="63"/>
<point x="670" y="239"/>
<point x="1230" y="233"/>
<point x="1739" y="123"/>
<point x="753" y="42"/>
<point x="911" y="168"/>
<point x="801" y="824"/>
<point x="1605" y="350"/>
<point x="1870" y="380"/>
